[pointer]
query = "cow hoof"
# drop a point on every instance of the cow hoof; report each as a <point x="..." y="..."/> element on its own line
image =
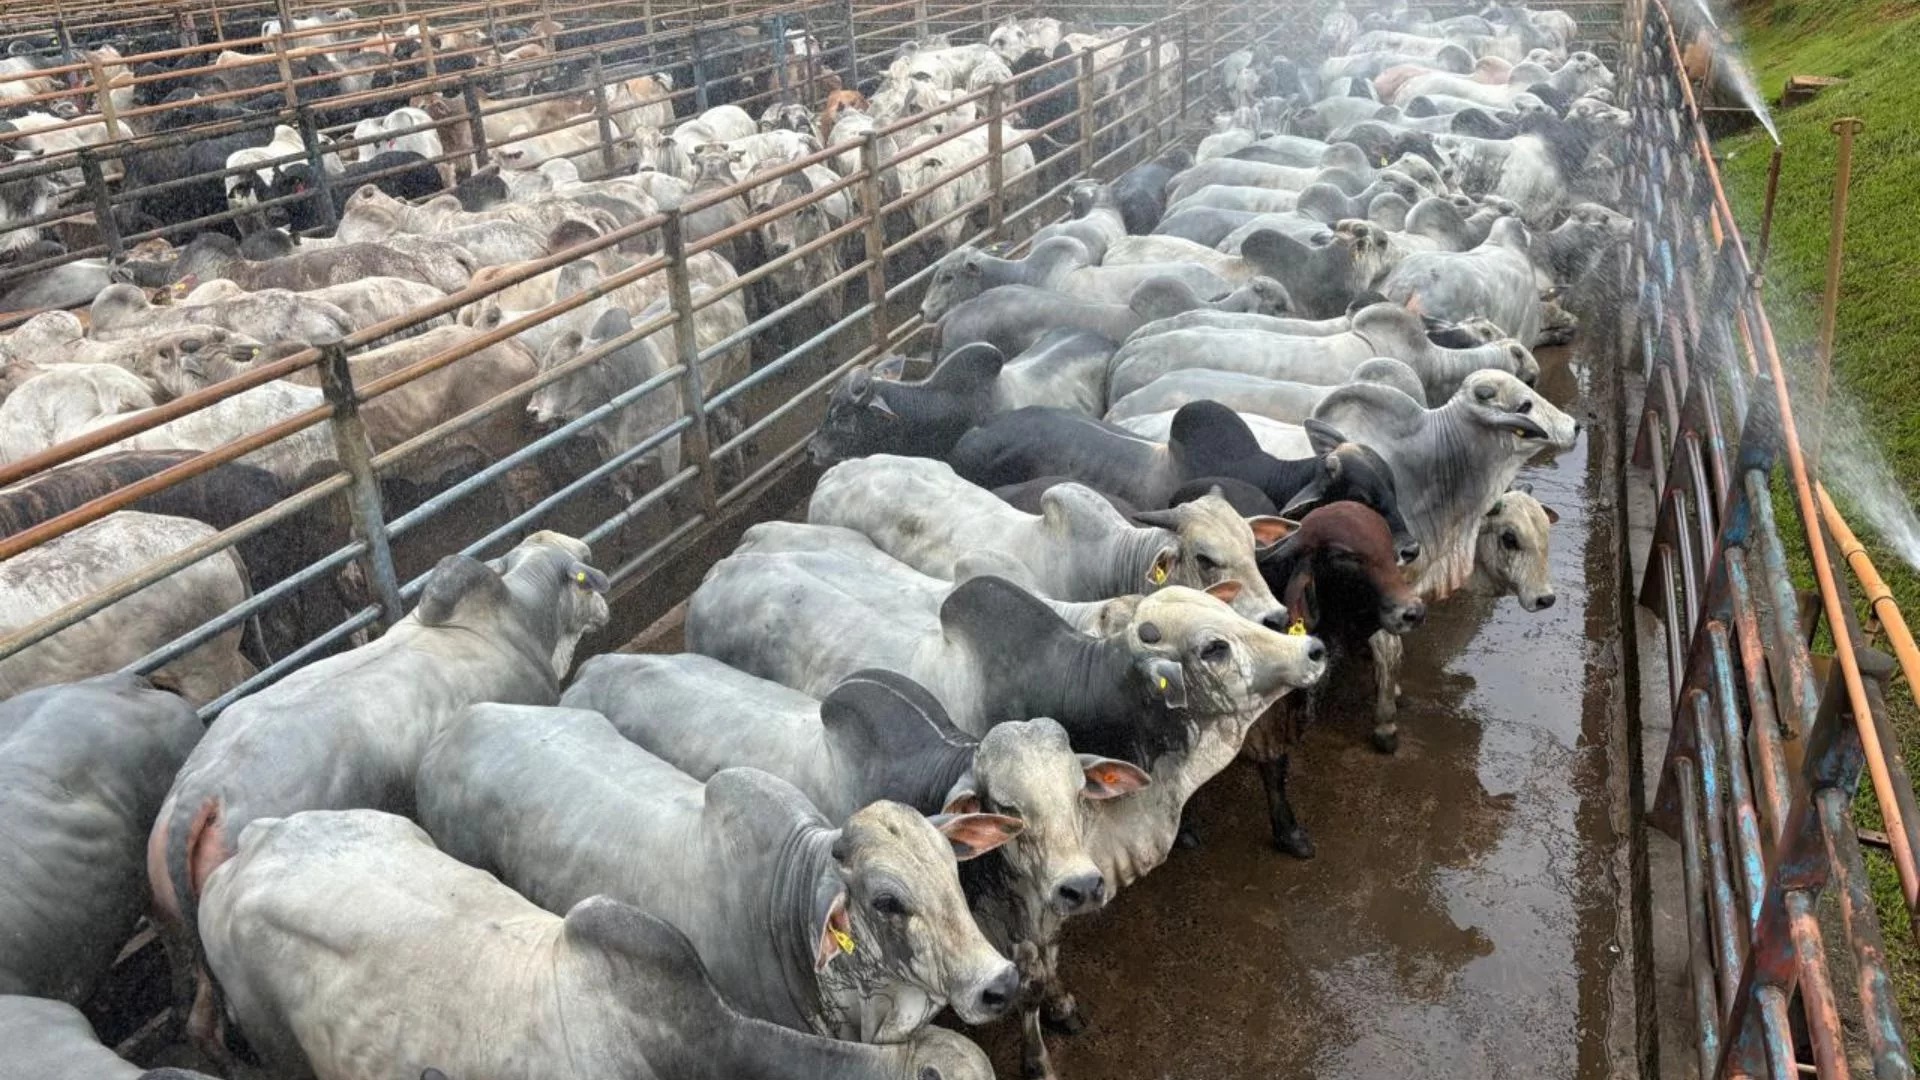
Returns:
<point x="1294" y="842"/>
<point x="1071" y="1024"/>
<point x="1386" y="742"/>
<point x="1186" y="838"/>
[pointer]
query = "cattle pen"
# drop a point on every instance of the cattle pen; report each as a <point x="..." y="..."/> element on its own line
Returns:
<point x="1681" y="837"/>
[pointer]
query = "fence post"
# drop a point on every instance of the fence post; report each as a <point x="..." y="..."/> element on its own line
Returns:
<point x="996" y="161"/>
<point x="920" y="19"/>
<point x="1154" y="104"/>
<point x="693" y="396"/>
<point x="493" y="31"/>
<point x="102" y="203"/>
<point x="699" y="74"/>
<point x="602" y="116"/>
<point x="779" y="28"/>
<point x="476" y="124"/>
<point x="1084" y="87"/>
<point x="876" y="237"/>
<point x="853" y="49"/>
<point x="103" y="98"/>
<point x="317" y="168"/>
<point x="350" y="443"/>
<point x="426" y="46"/>
<point x="1186" y="51"/>
<point x="287" y="88"/>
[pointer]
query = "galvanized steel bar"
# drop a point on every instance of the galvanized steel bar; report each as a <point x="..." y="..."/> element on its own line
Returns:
<point x="356" y="456"/>
<point x="687" y="348"/>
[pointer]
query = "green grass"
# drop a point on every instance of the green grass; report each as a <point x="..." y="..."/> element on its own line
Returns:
<point x="1876" y="47"/>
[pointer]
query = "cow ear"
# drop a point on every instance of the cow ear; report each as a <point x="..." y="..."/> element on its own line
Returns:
<point x="587" y="578"/>
<point x="1524" y="489"/>
<point x="612" y="323"/>
<point x="1162" y="567"/>
<point x="1496" y="508"/>
<point x="432" y="1074"/>
<point x="836" y="933"/>
<point x="1110" y="779"/>
<point x="1269" y="530"/>
<point x="892" y="368"/>
<point x="973" y="835"/>
<point x="1553" y="516"/>
<point x="879" y="404"/>
<point x="1224" y="591"/>
<point x="577" y="277"/>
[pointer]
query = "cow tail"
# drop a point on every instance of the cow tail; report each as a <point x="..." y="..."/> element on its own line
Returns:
<point x="179" y="851"/>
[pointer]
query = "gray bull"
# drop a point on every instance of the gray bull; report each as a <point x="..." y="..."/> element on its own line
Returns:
<point x="348" y="731"/>
<point x="83" y="768"/>
<point x="1077" y="548"/>
<point x="1288" y="402"/>
<point x="51" y="1040"/>
<point x="1059" y="265"/>
<point x="1175" y="689"/>
<point x="878" y="735"/>
<point x="1378" y="330"/>
<point x="1495" y="280"/>
<point x="859" y="932"/>
<point x="1013" y="318"/>
<point x="351" y="949"/>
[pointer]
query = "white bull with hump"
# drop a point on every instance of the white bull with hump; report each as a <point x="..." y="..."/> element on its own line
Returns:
<point x="431" y="950"/>
<point x="1077" y="548"/>
<point x="1174" y="688"/>
<point x="857" y="932"/>
<point x="1377" y="330"/>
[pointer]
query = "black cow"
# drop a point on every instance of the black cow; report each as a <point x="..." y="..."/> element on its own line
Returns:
<point x="1142" y="190"/>
<point x="402" y="174"/>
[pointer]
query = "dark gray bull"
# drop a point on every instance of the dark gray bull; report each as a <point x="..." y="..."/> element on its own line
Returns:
<point x="83" y="768"/>
<point x="1077" y="548"/>
<point x="348" y="731"/>
<point x="871" y="412"/>
<point x="1378" y="330"/>
<point x="349" y="946"/>
<point x="1207" y="440"/>
<point x="1175" y="689"/>
<point x="51" y="1040"/>
<point x="859" y="932"/>
<point x="1495" y="280"/>
<point x="879" y="735"/>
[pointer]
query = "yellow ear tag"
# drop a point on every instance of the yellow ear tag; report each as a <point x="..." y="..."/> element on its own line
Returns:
<point x="579" y="577"/>
<point x="1163" y="682"/>
<point x="1298" y="629"/>
<point x="842" y="939"/>
<point x="1159" y="575"/>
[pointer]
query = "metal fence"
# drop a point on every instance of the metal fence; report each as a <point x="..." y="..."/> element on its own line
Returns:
<point x="1128" y="107"/>
<point x="1769" y="739"/>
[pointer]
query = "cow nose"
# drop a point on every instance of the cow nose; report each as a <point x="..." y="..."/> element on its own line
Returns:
<point x="1081" y="893"/>
<point x="998" y="994"/>
<point x="1409" y="551"/>
<point x="1316" y="652"/>
<point x="1413" y="614"/>
<point x="1543" y="602"/>
<point x="1275" y="620"/>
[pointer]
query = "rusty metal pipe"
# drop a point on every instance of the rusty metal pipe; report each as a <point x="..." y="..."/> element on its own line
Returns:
<point x="1766" y="217"/>
<point x="1879" y="597"/>
<point x="1846" y="128"/>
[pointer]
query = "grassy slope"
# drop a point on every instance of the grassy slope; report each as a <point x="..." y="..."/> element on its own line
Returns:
<point x="1876" y="46"/>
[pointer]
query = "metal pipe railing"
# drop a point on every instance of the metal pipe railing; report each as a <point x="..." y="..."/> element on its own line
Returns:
<point x="1763" y="761"/>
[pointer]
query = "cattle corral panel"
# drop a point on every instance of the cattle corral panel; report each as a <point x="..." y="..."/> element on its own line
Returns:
<point x="395" y="542"/>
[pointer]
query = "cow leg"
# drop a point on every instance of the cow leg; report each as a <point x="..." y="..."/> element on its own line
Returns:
<point x="1034" y="1062"/>
<point x="1388" y="654"/>
<point x="1289" y="836"/>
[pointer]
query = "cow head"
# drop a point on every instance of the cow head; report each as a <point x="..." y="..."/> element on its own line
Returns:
<point x="1510" y="555"/>
<point x="1503" y="404"/>
<point x="1028" y="770"/>
<point x="959" y="276"/>
<point x="1215" y="545"/>
<point x="1197" y="655"/>
<point x="1340" y="567"/>
<point x="893" y="904"/>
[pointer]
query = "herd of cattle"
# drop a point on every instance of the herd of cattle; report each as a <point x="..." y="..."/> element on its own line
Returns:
<point x="1230" y="427"/>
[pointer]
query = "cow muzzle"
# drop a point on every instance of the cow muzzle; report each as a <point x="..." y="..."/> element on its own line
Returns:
<point x="1080" y="894"/>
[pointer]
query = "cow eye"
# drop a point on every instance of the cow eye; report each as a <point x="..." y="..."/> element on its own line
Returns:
<point x="1216" y="651"/>
<point x="1525" y="406"/>
<point x="889" y="905"/>
<point x="1206" y="563"/>
<point x="1510" y="540"/>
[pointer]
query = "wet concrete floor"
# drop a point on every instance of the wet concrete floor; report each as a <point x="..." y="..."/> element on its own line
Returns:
<point x="1460" y="918"/>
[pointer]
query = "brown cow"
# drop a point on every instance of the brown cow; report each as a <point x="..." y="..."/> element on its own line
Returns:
<point x="1339" y="577"/>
